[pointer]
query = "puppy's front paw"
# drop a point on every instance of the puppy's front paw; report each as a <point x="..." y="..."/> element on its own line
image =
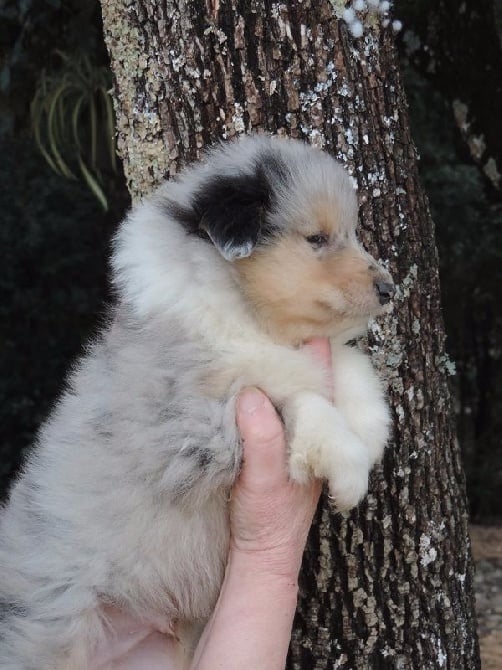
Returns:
<point x="348" y="484"/>
<point x="322" y="445"/>
<point x="360" y="398"/>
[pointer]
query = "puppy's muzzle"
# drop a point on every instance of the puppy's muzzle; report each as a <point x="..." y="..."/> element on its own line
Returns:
<point x="385" y="291"/>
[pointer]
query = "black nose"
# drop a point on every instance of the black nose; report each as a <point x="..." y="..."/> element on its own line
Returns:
<point x="385" y="291"/>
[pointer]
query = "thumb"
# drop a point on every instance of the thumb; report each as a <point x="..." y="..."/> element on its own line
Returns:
<point x="264" y="465"/>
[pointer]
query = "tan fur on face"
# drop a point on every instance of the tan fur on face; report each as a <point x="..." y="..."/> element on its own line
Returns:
<point x="298" y="292"/>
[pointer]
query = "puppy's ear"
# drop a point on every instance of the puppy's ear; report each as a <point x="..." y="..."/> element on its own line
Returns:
<point x="232" y="211"/>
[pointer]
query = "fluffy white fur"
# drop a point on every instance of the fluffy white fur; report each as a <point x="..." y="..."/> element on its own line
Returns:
<point x="123" y="499"/>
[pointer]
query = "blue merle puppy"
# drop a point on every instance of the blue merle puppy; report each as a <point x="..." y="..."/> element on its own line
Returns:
<point x="220" y="276"/>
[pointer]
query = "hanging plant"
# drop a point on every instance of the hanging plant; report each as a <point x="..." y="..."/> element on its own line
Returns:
<point x="73" y="122"/>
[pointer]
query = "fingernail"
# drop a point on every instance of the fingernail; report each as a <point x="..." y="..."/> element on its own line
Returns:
<point x="250" y="400"/>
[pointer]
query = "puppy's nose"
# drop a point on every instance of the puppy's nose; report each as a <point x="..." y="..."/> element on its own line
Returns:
<point x="385" y="291"/>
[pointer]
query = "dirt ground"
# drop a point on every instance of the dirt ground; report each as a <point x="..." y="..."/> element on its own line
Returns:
<point x="487" y="551"/>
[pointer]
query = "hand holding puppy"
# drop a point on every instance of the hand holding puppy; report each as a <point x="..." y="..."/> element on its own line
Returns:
<point x="270" y="514"/>
<point x="270" y="517"/>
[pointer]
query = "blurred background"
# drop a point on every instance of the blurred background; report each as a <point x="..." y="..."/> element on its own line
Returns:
<point x="62" y="193"/>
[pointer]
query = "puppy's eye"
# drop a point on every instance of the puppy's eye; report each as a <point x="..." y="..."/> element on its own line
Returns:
<point x="317" y="241"/>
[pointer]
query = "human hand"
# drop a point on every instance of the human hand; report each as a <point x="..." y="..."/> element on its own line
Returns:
<point x="270" y="516"/>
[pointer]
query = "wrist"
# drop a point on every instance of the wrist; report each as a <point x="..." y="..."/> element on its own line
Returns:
<point x="277" y="569"/>
<point x="257" y="606"/>
<point x="252" y="620"/>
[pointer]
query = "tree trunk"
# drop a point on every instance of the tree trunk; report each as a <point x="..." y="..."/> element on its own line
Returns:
<point x="390" y="585"/>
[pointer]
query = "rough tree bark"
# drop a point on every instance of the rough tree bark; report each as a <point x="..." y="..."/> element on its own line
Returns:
<point x="389" y="586"/>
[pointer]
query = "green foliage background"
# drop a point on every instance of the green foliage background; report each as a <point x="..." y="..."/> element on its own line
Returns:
<point x="468" y="218"/>
<point x="54" y="244"/>
<point x="55" y="236"/>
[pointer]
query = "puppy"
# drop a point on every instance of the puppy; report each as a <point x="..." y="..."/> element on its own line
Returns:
<point x="220" y="276"/>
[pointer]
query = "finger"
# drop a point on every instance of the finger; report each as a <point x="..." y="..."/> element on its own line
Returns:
<point x="320" y="349"/>
<point x="262" y="433"/>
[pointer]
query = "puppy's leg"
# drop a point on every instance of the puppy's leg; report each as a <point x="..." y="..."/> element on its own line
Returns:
<point x="360" y="398"/>
<point x="189" y="634"/>
<point x="34" y="642"/>
<point x="128" y="643"/>
<point x="322" y="445"/>
<point x="154" y="652"/>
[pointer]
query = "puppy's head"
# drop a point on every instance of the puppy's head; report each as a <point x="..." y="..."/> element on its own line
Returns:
<point x="284" y="215"/>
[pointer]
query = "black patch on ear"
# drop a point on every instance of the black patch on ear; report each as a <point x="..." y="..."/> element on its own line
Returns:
<point x="231" y="210"/>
